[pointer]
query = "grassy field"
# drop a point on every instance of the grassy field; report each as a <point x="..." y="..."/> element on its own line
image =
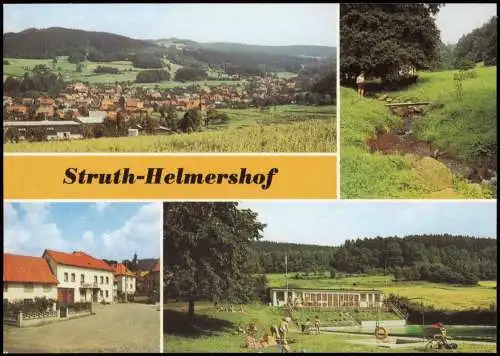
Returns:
<point x="441" y="296"/>
<point x="284" y="129"/>
<point x="465" y="128"/>
<point x="215" y="332"/>
<point x="128" y="72"/>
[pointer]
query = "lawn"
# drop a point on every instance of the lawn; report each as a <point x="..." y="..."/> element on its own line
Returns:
<point x="280" y="129"/>
<point x="215" y="332"/>
<point x="439" y="295"/>
<point x="464" y="127"/>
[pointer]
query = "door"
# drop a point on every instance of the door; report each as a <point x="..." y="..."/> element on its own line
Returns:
<point x="65" y="295"/>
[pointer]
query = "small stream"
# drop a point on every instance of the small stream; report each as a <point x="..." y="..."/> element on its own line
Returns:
<point x="403" y="141"/>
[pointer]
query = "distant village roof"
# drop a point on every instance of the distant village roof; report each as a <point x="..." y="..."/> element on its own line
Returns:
<point x="327" y="290"/>
<point x="78" y="259"/>
<point x="157" y="266"/>
<point x="39" y="123"/>
<point x="26" y="269"/>
<point x="95" y="117"/>
<point x="121" y="270"/>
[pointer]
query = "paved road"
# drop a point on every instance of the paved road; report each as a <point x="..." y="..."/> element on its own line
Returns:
<point x="114" y="328"/>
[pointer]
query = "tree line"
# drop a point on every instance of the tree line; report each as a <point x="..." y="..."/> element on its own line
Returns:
<point x="435" y="258"/>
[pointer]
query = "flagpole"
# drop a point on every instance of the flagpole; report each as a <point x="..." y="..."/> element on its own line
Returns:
<point x="286" y="272"/>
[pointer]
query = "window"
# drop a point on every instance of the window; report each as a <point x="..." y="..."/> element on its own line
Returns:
<point x="102" y="279"/>
<point x="5" y="287"/>
<point x="107" y="280"/>
<point x="28" y="300"/>
<point x="100" y="292"/>
<point x="107" y="294"/>
<point x="73" y="277"/>
<point x="65" y="276"/>
<point x="95" y="279"/>
<point x="82" y="278"/>
<point x="28" y="287"/>
<point x="131" y="286"/>
<point x="47" y="287"/>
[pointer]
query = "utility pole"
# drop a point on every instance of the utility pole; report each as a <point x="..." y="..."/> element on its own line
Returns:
<point x="286" y="274"/>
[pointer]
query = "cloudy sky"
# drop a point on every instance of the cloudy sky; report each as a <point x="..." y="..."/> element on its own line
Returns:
<point x="264" y="24"/>
<point x="331" y="223"/>
<point x="104" y="230"/>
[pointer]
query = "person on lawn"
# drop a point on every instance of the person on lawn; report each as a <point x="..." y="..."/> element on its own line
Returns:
<point x="360" y="82"/>
<point x="316" y="324"/>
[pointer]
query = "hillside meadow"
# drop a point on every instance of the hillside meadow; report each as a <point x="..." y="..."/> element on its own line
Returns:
<point x="245" y="134"/>
<point x="438" y="295"/>
<point x="128" y="73"/>
<point x="465" y="127"/>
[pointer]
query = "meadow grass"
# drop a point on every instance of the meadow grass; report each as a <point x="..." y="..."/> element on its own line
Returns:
<point x="465" y="128"/>
<point x="304" y="136"/>
<point x="438" y="295"/>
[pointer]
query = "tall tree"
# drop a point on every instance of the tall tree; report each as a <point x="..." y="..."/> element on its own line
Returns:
<point x="206" y="251"/>
<point x="381" y="39"/>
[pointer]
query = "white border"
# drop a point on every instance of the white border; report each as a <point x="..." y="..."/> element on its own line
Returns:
<point x="338" y="103"/>
<point x="161" y="279"/>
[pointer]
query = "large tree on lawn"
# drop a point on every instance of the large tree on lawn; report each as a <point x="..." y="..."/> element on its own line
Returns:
<point x="207" y="252"/>
<point x="383" y="38"/>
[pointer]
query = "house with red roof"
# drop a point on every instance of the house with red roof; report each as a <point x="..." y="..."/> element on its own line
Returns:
<point x="82" y="278"/>
<point x="27" y="277"/>
<point x="125" y="281"/>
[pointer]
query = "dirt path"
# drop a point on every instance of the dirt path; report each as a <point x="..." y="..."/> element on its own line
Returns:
<point x="114" y="328"/>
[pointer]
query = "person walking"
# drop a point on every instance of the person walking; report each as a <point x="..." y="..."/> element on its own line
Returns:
<point x="360" y="82"/>
<point x="316" y="324"/>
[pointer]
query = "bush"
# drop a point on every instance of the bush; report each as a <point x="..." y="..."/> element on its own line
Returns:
<point x="103" y="69"/>
<point x="190" y="74"/>
<point x="465" y="64"/>
<point x="38" y="305"/>
<point x="6" y="62"/>
<point x="152" y="76"/>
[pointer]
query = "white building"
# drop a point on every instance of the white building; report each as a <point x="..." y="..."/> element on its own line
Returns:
<point x="124" y="280"/>
<point x="26" y="277"/>
<point x="82" y="278"/>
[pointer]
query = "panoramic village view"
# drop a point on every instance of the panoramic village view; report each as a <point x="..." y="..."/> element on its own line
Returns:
<point x="163" y="86"/>
<point x="81" y="278"/>
<point x="329" y="277"/>
<point x="419" y="118"/>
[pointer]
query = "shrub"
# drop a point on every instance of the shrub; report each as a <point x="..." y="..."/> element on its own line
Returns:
<point x="465" y="64"/>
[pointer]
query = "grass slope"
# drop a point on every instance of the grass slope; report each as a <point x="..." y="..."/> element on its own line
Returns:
<point x="439" y="295"/>
<point x="462" y="127"/>
<point x="315" y="135"/>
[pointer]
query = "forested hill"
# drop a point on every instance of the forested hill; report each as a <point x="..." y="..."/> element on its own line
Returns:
<point x="438" y="258"/>
<point x="480" y="45"/>
<point x="292" y="51"/>
<point x="57" y="41"/>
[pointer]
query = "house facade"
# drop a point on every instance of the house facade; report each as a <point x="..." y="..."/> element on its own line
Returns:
<point x="124" y="280"/>
<point x="82" y="278"/>
<point x="26" y="278"/>
<point x="301" y="297"/>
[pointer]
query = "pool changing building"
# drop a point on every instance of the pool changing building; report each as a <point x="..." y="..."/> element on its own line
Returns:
<point x="327" y="298"/>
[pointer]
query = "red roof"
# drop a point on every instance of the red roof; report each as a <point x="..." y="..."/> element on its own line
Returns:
<point x="78" y="259"/>
<point x="157" y="267"/>
<point x="27" y="269"/>
<point x="121" y="270"/>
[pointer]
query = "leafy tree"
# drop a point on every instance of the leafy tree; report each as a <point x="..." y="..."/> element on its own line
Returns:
<point x="206" y="249"/>
<point x="191" y="121"/>
<point x="381" y="38"/>
<point x="185" y="74"/>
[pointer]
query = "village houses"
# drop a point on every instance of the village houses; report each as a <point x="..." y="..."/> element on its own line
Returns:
<point x="73" y="277"/>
